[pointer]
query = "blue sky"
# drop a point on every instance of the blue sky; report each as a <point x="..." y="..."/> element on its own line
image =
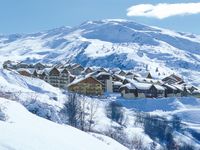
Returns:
<point x="27" y="16"/>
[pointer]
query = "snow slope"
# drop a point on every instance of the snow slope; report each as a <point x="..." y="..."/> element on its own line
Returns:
<point x="23" y="130"/>
<point x="36" y="96"/>
<point x="110" y="43"/>
<point x="187" y="108"/>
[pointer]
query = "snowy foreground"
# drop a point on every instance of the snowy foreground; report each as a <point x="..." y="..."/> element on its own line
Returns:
<point x="45" y="128"/>
<point x="25" y="131"/>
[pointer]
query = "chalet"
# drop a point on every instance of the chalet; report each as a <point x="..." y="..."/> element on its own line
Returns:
<point x="88" y="70"/>
<point x="196" y="93"/>
<point x="77" y="70"/>
<point x="64" y="78"/>
<point x="128" y="91"/>
<point x="54" y="75"/>
<point x="122" y="73"/>
<point x="103" y="70"/>
<point x="10" y="64"/>
<point x="130" y="75"/>
<point x="170" y="90"/>
<point x="42" y="74"/>
<point x="119" y="78"/>
<point x="116" y="86"/>
<point x="24" y="72"/>
<point x="39" y="66"/>
<point x="157" y="91"/>
<point x="115" y="70"/>
<point x="22" y="65"/>
<point x="149" y="76"/>
<point x="182" y="91"/>
<point x="86" y="85"/>
<point x="35" y="74"/>
<point x="192" y="88"/>
<point x="99" y="70"/>
<point x="172" y="79"/>
<point x="134" y="89"/>
<point x="148" y="80"/>
<point x="72" y="78"/>
<point x="106" y="79"/>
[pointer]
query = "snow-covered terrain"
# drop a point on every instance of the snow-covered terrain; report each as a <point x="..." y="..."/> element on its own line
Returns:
<point x="107" y="43"/>
<point x="46" y="101"/>
<point x="25" y="131"/>
<point x="110" y="43"/>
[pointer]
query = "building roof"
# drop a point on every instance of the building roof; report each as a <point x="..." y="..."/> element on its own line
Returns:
<point x="159" y="87"/>
<point x="117" y="83"/>
<point x="40" y="71"/>
<point x="170" y="86"/>
<point x="138" y="85"/>
<point x="120" y="77"/>
<point x="82" y="78"/>
<point x="102" y="73"/>
<point x="179" y="87"/>
<point x="23" y="69"/>
<point x="148" y="80"/>
<point x="144" y="86"/>
<point x="173" y="77"/>
<point x="128" y="86"/>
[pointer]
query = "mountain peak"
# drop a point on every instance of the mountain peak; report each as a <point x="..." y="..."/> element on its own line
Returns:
<point x="109" y="43"/>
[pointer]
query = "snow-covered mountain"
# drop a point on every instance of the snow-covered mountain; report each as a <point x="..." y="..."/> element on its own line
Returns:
<point x="110" y="43"/>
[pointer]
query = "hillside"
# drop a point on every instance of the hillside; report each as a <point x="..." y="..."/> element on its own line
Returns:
<point x="110" y="43"/>
<point x="46" y="104"/>
<point x="23" y="130"/>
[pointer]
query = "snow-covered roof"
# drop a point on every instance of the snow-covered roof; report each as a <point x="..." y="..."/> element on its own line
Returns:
<point x="129" y="86"/>
<point x="81" y="78"/>
<point x="140" y="79"/>
<point x="144" y="86"/>
<point x="138" y="85"/>
<point x="170" y="86"/>
<point x="178" y="86"/>
<point x="120" y="77"/>
<point x="47" y="70"/>
<point x="117" y="83"/>
<point x="40" y="71"/>
<point x="159" y="87"/>
<point x="23" y="69"/>
<point x="102" y="73"/>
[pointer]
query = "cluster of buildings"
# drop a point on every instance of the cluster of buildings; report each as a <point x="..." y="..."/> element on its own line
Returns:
<point x="96" y="81"/>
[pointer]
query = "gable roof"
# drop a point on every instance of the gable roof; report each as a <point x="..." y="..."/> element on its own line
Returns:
<point x="102" y="73"/>
<point x="170" y="86"/>
<point x="122" y="72"/>
<point x="173" y="77"/>
<point x="159" y="87"/>
<point x="144" y="86"/>
<point x="120" y="77"/>
<point x="24" y="69"/>
<point x="149" y="75"/>
<point x="128" y="86"/>
<point x="138" y="85"/>
<point x="117" y="83"/>
<point x="82" y="78"/>
<point x="54" y="69"/>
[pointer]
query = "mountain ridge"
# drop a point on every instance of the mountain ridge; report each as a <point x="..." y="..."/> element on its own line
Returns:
<point x="110" y="43"/>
